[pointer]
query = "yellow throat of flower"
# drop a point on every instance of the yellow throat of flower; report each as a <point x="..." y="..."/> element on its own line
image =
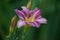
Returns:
<point x="31" y="19"/>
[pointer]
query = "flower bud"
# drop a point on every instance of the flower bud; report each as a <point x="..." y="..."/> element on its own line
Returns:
<point x="12" y="25"/>
<point x="29" y="5"/>
<point x="13" y="21"/>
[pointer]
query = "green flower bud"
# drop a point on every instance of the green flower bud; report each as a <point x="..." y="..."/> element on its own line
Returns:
<point x="29" y="4"/>
<point x="12" y="25"/>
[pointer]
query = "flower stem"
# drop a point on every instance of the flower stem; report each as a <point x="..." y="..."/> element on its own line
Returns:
<point x="25" y="29"/>
<point x="23" y="36"/>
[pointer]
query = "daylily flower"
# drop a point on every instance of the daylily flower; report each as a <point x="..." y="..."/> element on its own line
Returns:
<point x="29" y="17"/>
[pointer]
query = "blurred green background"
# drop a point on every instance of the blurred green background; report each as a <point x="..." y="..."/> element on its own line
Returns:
<point x="50" y="10"/>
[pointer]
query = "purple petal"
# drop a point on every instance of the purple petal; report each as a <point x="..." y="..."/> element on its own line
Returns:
<point x="20" y="14"/>
<point x="34" y="12"/>
<point x="37" y="14"/>
<point x="35" y="24"/>
<point x="38" y="18"/>
<point x="32" y="24"/>
<point x="36" y="9"/>
<point x="42" y="20"/>
<point x="25" y="10"/>
<point x="30" y="13"/>
<point x="20" y="23"/>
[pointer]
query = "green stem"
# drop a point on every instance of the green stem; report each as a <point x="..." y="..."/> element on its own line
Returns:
<point x="25" y="29"/>
<point x="23" y="36"/>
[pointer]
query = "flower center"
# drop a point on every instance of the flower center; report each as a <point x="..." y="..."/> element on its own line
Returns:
<point x="31" y="19"/>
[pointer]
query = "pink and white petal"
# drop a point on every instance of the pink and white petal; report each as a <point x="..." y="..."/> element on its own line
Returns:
<point x="35" y="24"/>
<point x="24" y="12"/>
<point x="30" y="13"/>
<point x="36" y="9"/>
<point x="20" y="23"/>
<point x="32" y="24"/>
<point x="36" y="14"/>
<point x="38" y="17"/>
<point x="33" y="11"/>
<point x="25" y="9"/>
<point x="20" y="13"/>
<point x="42" y="20"/>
